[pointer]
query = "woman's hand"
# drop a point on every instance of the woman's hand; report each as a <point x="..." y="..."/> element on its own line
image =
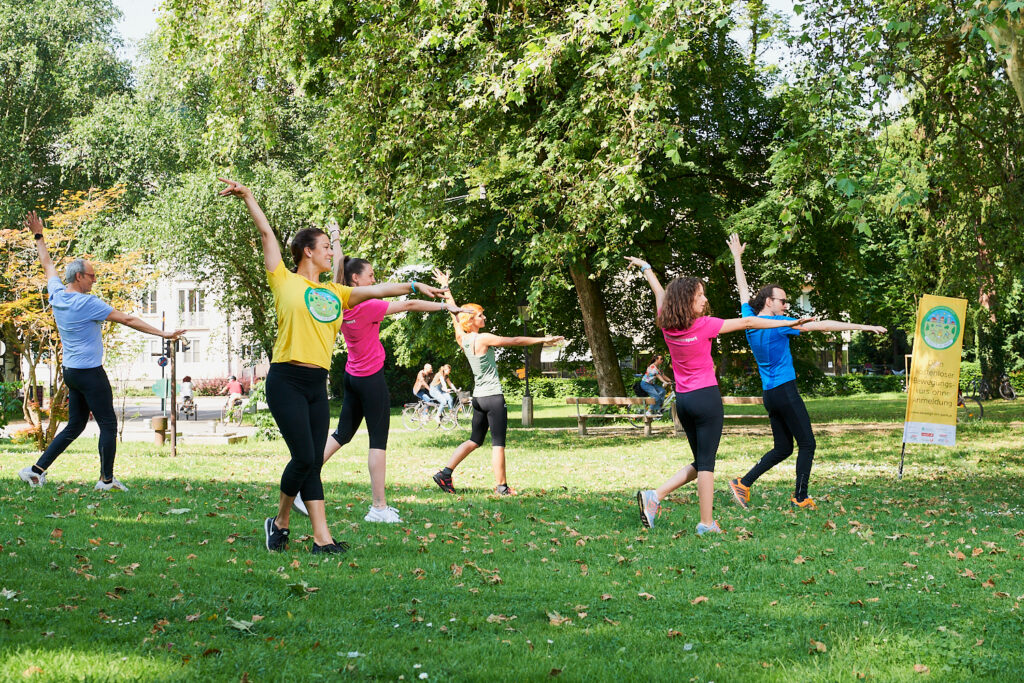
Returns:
<point x="455" y="310"/>
<point x="551" y="340"/>
<point x="234" y="189"/>
<point x="432" y="292"/>
<point x="802" y="321"/>
<point x="34" y="223"/>
<point x="443" y="279"/>
<point x="735" y="246"/>
<point x="876" y="329"/>
<point x="176" y="334"/>
<point x="638" y="263"/>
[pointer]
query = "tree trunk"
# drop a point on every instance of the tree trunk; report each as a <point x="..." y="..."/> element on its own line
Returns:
<point x="599" y="337"/>
<point x="1008" y="39"/>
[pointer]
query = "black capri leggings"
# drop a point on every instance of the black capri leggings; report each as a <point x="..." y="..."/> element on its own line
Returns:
<point x="88" y="391"/>
<point x="789" y="419"/>
<point x="489" y="411"/>
<point x="297" y="397"/>
<point x="365" y="398"/>
<point x="702" y="416"/>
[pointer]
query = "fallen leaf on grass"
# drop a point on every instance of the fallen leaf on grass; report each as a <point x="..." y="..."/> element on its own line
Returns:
<point x="31" y="671"/>
<point x="611" y="621"/>
<point x="606" y="596"/>
<point x="674" y="634"/>
<point x="988" y="583"/>
<point x="728" y="588"/>
<point x="243" y="626"/>
<point x="1001" y="594"/>
<point x="818" y="646"/>
<point x="499" y="618"/>
<point x="645" y="596"/>
<point x="699" y="599"/>
<point x="977" y="551"/>
<point x="830" y="525"/>
<point x="193" y="617"/>
<point x="56" y="533"/>
<point x="799" y="559"/>
<point x="210" y="651"/>
<point x="178" y="511"/>
<point x="921" y="669"/>
<point x="556" y="619"/>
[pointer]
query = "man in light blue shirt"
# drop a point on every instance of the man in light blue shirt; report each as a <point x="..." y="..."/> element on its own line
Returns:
<point x="80" y="317"/>
<point x="786" y="410"/>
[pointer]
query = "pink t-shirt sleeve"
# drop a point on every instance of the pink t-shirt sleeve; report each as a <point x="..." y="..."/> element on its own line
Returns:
<point x="376" y="310"/>
<point x="711" y="326"/>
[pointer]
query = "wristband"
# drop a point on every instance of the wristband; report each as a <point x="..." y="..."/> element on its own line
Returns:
<point x="412" y="284"/>
<point x="39" y="235"/>
<point x="644" y="268"/>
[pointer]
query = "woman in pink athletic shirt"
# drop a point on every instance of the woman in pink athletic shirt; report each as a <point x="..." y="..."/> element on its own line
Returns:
<point x="366" y="392"/>
<point x="681" y="315"/>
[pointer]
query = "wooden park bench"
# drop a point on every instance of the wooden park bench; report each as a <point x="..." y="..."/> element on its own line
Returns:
<point x="744" y="401"/>
<point x="610" y="401"/>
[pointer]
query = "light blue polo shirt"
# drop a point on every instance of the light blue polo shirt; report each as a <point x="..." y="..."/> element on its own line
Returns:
<point x="771" y="350"/>
<point x="80" y="323"/>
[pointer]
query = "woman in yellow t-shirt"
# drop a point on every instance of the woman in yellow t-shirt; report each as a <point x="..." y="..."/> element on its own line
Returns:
<point x="309" y="313"/>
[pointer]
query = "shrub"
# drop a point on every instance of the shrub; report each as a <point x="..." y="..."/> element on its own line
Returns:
<point x="969" y="372"/>
<point x="10" y="405"/>
<point x="551" y="387"/>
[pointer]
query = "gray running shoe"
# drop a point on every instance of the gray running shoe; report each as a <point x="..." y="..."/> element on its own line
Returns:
<point x="712" y="528"/>
<point x="110" y="485"/>
<point x="29" y="476"/>
<point x="649" y="507"/>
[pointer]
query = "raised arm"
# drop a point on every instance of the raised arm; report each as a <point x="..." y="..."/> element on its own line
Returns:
<point x="35" y="225"/>
<point x="141" y="325"/>
<point x="389" y="289"/>
<point x="271" y="249"/>
<point x="443" y="280"/>
<point x="838" y="326"/>
<point x="487" y="340"/>
<point x="652" y="280"/>
<point x="753" y="322"/>
<point x="423" y="306"/>
<point x="737" y="247"/>
<point x="339" y="256"/>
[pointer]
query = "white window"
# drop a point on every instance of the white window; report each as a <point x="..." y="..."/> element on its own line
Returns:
<point x="192" y="307"/>
<point x="193" y="355"/>
<point x="148" y="304"/>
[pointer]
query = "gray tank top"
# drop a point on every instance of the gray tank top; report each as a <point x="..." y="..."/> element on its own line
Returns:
<point x="485" y="369"/>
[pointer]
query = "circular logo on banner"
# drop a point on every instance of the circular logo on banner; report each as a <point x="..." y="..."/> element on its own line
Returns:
<point x="940" y="328"/>
<point x="323" y="305"/>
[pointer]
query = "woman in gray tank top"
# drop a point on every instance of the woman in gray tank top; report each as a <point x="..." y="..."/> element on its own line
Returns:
<point x="489" y="410"/>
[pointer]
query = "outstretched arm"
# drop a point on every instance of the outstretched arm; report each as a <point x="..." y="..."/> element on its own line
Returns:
<point x="423" y="306"/>
<point x="141" y="325"/>
<point x="444" y="279"/>
<point x="271" y="249"/>
<point x="755" y="323"/>
<point x="389" y="289"/>
<point x="838" y="326"/>
<point x="339" y="255"/>
<point x="652" y="280"/>
<point x="35" y="225"/>
<point x="487" y="340"/>
<point x="737" y="247"/>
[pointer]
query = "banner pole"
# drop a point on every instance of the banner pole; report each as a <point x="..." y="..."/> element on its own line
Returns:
<point x="903" y="450"/>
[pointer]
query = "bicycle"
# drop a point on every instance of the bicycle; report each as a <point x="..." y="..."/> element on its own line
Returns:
<point x="188" y="408"/>
<point x="637" y="413"/>
<point x="968" y="408"/>
<point x="234" y="413"/>
<point x="979" y="389"/>
<point x="1006" y="389"/>
<point x="419" y="413"/>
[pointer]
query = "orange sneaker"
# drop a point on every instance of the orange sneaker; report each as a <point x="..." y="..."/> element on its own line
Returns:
<point x="740" y="493"/>
<point x="805" y="504"/>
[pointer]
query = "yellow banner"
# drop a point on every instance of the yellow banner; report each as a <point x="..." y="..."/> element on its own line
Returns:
<point x="935" y="371"/>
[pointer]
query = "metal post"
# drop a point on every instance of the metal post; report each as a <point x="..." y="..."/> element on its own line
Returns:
<point x="174" y="401"/>
<point x="163" y="397"/>
<point x="527" y="414"/>
<point x="903" y="450"/>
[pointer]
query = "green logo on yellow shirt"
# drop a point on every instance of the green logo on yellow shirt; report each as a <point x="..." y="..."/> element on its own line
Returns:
<point x="323" y="305"/>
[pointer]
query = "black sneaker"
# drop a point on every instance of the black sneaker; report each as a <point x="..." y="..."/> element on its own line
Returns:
<point x="277" y="539"/>
<point x="329" y="549"/>
<point x="445" y="482"/>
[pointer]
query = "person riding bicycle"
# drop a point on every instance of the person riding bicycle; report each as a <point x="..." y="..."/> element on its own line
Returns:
<point x="421" y="387"/>
<point x="441" y="389"/>
<point x="653" y="390"/>
<point x="234" y="392"/>
<point x="187" y="398"/>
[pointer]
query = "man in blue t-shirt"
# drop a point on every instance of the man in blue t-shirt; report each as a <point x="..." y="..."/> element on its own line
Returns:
<point x="786" y="410"/>
<point x="80" y="317"/>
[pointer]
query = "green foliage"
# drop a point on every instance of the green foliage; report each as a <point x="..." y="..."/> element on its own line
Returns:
<point x="10" y="405"/>
<point x="550" y="387"/>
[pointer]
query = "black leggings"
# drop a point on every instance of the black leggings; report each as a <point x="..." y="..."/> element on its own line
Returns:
<point x="297" y="397"/>
<point x="703" y="417"/>
<point x="790" y="421"/>
<point x="365" y="397"/>
<point x="88" y="392"/>
<point x="489" y="411"/>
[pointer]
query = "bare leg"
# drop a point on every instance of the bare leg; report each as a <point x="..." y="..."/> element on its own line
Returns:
<point x="284" y="510"/>
<point x="377" y="464"/>
<point x="464" y="449"/>
<point x="683" y="476"/>
<point x="318" y="517"/>
<point x="706" y="496"/>
<point x="331" y="448"/>
<point x="498" y="464"/>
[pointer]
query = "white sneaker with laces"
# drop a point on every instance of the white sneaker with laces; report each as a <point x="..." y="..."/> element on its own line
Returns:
<point x="29" y="476"/>
<point x="388" y="515"/>
<point x="299" y="506"/>
<point x="110" y="485"/>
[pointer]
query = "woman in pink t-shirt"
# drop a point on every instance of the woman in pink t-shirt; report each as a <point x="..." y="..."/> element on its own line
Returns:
<point x="366" y="392"/>
<point x="688" y="332"/>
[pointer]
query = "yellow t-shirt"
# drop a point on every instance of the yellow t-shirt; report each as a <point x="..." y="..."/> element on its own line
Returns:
<point x="308" y="316"/>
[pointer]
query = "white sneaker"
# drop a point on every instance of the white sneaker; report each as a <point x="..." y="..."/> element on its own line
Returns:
<point x="110" y="486"/>
<point x="388" y="515"/>
<point x="299" y="506"/>
<point x="28" y="475"/>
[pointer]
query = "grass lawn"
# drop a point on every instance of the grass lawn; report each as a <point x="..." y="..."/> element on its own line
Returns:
<point x="914" y="580"/>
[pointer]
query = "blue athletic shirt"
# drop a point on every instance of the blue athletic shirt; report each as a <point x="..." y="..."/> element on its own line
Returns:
<point x="771" y="350"/>
<point x="80" y="323"/>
